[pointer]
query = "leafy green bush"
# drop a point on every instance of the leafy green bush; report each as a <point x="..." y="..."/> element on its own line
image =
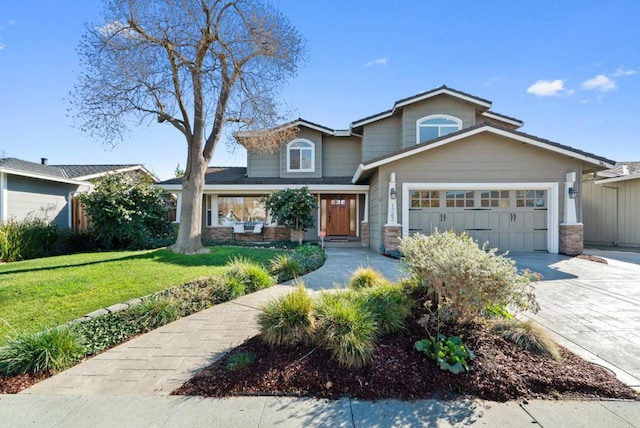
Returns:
<point x="450" y="353"/>
<point x="126" y="212"/>
<point x="389" y="305"/>
<point x="251" y="275"/>
<point x="285" y="267"/>
<point x="240" y="360"/>
<point x="366" y="277"/>
<point x="497" y="311"/>
<point x="528" y="336"/>
<point x="288" y="320"/>
<point x="50" y="349"/>
<point x="345" y="328"/>
<point x="465" y="278"/>
<point x="310" y="257"/>
<point x="27" y="239"/>
<point x="106" y="331"/>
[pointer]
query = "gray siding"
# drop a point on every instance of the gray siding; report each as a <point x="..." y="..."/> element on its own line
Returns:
<point x="382" y="137"/>
<point x="437" y="105"/>
<point x="30" y="197"/>
<point x="316" y="138"/>
<point x="341" y="156"/>
<point x="611" y="213"/>
<point x="263" y="165"/>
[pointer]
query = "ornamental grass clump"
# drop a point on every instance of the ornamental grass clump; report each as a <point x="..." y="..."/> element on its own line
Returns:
<point x="288" y="320"/>
<point x="389" y="305"/>
<point x="48" y="350"/>
<point x="366" y="277"/>
<point x="252" y="275"/>
<point x="465" y="278"/>
<point x="528" y="336"/>
<point x="285" y="267"/>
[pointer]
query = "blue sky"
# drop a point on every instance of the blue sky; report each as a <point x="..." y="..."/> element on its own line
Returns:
<point x="569" y="70"/>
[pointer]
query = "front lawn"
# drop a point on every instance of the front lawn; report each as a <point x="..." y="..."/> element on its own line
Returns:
<point x="54" y="290"/>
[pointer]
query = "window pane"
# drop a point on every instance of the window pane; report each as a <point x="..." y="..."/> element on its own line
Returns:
<point x="294" y="159"/>
<point x="306" y="159"/>
<point x="435" y="203"/>
<point x="428" y="133"/>
<point x="444" y="130"/>
<point x="241" y="208"/>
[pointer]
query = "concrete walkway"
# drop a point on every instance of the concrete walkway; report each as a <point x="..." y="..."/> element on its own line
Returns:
<point x="129" y="385"/>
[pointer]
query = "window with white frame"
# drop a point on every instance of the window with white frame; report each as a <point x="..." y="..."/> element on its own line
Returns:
<point x="436" y="125"/>
<point x="300" y="156"/>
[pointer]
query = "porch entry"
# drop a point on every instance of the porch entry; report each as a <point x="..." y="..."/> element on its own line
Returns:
<point x="338" y="214"/>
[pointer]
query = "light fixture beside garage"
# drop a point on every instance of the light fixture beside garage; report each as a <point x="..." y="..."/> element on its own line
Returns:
<point x="393" y="193"/>
<point x="573" y="192"/>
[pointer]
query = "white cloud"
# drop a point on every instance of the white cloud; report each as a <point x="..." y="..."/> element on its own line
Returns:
<point x="548" y="88"/>
<point x="1" y="46"/>
<point x="624" y="72"/>
<point x="600" y="83"/>
<point x="377" y="61"/>
<point x="493" y="80"/>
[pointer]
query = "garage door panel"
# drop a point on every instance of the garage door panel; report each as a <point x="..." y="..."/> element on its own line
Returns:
<point x="540" y="240"/>
<point x="540" y="219"/>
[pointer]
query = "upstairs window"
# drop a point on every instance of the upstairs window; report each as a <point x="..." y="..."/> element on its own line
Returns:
<point x="300" y="156"/>
<point x="435" y="126"/>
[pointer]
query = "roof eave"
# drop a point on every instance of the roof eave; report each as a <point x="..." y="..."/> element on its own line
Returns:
<point x="44" y="177"/>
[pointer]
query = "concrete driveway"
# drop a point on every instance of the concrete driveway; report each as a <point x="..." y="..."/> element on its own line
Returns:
<point x="591" y="308"/>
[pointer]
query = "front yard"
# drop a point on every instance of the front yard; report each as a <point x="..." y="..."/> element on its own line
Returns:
<point x="50" y="291"/>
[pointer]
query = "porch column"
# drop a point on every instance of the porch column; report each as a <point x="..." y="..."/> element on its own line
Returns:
<point x="178" y="206"/>
<point x="214" y="210"/>
<point x="571" y="232"/>
<point x="392" y="230"/>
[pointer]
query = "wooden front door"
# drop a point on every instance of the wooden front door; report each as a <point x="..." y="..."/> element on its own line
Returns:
<point x="340" y="214"/>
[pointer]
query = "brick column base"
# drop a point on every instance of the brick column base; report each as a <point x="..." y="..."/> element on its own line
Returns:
<point x="364" y="233"/>
<point x="571" y="239"/>
<point x="391" y="237"/>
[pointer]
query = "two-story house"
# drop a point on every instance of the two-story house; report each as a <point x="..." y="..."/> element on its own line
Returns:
<point x="439" y="159"/>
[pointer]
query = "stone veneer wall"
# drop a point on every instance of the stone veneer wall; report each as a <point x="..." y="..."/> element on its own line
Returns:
<point x="571" y="239"/>
<point x="391" y="237"/>
<point x="269" y="233"/>
<point x="364" y="233"/>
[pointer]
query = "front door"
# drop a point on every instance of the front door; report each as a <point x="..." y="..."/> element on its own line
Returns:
<point x="339" y="214"/>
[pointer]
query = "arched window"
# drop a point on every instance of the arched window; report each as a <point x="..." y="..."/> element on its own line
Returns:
<point x="436" y="125"/>
<point x="300" y="156"/>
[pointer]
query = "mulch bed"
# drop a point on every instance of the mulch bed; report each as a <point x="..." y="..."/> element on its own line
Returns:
<point x="501" y="371"/>
<point x="15" y="384"/>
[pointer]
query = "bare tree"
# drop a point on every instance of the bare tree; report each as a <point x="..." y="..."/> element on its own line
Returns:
<point x="201" y="66"/>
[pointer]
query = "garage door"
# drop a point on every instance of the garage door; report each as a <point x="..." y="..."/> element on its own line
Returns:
<point x="514" y="220"/>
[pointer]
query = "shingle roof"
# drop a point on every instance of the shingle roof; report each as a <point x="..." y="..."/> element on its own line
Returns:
<point x="218" y="175"/>
<point x="74" y="171"/>
<point x="33" y="167"/>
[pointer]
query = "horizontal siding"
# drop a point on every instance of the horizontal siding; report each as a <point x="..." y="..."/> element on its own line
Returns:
<point x="439" y="105"/>
<point x="263" y="165"/>
<point x="482" y="158"/>
<point x="341" y="156"/>
<point x="382" y="137"/>
<point x="33" y="198"/>
<point x="316" y="138"/>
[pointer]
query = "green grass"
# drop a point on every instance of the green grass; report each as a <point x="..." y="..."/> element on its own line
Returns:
<point x="54" y="290"/>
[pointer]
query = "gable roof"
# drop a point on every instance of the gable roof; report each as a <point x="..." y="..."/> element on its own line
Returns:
<point x="87" y="172"/>
<point x="623" y="171"/>
<point x="36" y="170"/>
<point x="306" y="123"/>
<point x="485" y="127"/>
<point x="481" y="103"/>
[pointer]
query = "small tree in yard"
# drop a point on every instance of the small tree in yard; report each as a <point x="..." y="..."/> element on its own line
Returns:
<point x="198" y="66"/>
<point x="292" y="208"/>
<point x="126" y="212"/>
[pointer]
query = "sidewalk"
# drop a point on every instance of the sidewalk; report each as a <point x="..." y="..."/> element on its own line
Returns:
<point x="129" y="385"/>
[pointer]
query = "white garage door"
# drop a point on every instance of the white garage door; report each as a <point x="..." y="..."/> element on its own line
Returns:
<point x="514" y="220"/>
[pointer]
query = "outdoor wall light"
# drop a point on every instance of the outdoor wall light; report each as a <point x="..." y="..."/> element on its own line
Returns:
<point x="393" y="193"/>
<point x="573" y="192"/>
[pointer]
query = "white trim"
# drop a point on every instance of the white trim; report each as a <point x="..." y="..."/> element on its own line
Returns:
<point x="117" y="171"/>
<point x="3" y="197"/>
<point x="504" y="133"/>
<point x="178" y="206"/>
<point x="435" y="116"/>
<point x="501" y="118"/>
<point x="553" y="221"/>
<point x="615" y="179"/>
<point x="44" y="177"/>
<point x="313" y="155"/>
<point x="266" y="188"/>
<point x="372" y="119"/>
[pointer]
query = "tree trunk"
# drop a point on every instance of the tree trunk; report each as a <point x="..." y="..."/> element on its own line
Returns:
<point x="190" y="231"/>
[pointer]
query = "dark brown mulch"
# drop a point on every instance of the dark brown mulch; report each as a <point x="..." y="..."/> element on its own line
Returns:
<point x="15" y="384"/>
<point x="501" y="371"/>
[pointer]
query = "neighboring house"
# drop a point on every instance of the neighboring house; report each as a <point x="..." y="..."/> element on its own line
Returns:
<point x="439" y="159"/>
<point x="38" y="190"/>
<point x="611" y="206"/>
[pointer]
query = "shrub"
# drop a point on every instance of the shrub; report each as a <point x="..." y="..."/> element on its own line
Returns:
<point x="465" y="278"/>
<point x="107" y="331"/>
<point x="50" y="349"/>
<point x="288" y="320"/>
<point x="389" y="305"/>
<point x="154" y="312"/>
<point x="292" y="208"/>
<point x="240" y="360"/>
<point x="366" y="277"/>
<point x="497" y="311"/>
<point x="27" y="239"/>
<point x="345" y="328"/>
<point x="450" y="353"/>
<point x="285" y="267"/>
<point x="310" y="257"/>
<point x="251" y="275"/>
<point x="528" y="336"/>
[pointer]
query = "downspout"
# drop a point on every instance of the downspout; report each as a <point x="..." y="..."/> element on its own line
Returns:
<point x="615" y="243"/>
